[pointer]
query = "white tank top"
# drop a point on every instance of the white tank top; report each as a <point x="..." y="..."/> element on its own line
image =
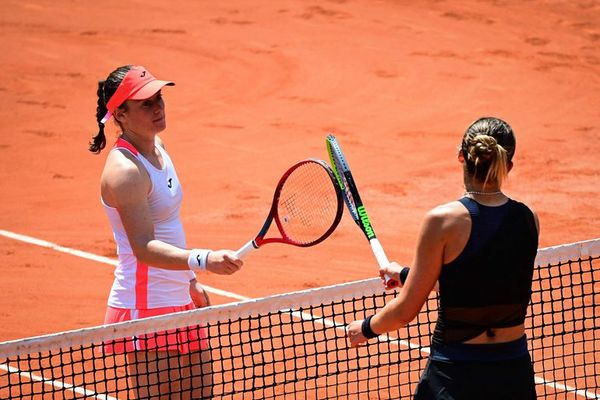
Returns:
<point x="140" y="286"/>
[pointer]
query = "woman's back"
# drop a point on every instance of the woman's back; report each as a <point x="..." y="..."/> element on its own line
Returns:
<point x="488" y="285"/>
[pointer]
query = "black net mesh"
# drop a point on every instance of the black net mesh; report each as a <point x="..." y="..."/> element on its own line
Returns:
<point x="294" y="346"/>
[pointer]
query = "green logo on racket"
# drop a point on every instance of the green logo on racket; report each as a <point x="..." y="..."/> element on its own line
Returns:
<point x="364" y="218"/>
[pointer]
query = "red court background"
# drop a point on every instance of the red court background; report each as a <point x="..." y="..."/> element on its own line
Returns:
<point x="259" y="85"/>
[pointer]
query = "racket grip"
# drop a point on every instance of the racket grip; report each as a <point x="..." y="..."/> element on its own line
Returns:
<point x="383" y="261"/>
<point x="245" y="249"/>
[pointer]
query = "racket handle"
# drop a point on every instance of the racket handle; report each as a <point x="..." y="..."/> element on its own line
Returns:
<point x="245" y="249"/>
<point x="383" y="261"/>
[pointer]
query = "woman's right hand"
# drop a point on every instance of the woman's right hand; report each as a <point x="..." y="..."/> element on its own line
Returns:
<point x="391" y="275"/>
<point x="223" y="262"/>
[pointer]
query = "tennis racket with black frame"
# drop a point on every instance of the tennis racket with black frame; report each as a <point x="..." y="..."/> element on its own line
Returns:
<point x="306" y="208"/>
<point x="355" y="206"/>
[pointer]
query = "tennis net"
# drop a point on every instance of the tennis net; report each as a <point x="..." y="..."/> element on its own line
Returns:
<point x="294" y="345"/>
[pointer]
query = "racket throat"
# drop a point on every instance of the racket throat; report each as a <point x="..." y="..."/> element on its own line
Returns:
<point x="365" y="222"/>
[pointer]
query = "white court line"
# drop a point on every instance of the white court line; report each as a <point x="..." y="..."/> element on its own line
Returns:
<point x="55" y="383"/>
<point x="578" y="392"/>
<point x="100" y="259"/>
<point x="326" y="322"/>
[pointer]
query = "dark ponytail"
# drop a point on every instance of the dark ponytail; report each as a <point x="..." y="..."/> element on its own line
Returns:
<point x="105" y="91"/>
<point x="99" y="141"/>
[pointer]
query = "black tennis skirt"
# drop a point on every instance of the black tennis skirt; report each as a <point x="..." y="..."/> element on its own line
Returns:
<point x="499" y="379"/>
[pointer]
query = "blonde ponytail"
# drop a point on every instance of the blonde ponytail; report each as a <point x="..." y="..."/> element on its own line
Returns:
<point x="488" y="147"/>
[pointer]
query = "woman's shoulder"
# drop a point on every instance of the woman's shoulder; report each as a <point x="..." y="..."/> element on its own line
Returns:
<point x="121" y="159"/>
<point x="526" y="209"/>
<point x="447" y="217"/>
<point x="121" y="167"/>
<point x="520" y="204"/>
<point x="448" y="210"/>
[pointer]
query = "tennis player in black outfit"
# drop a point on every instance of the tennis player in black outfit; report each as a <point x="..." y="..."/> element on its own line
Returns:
<point x="481" y="249"/>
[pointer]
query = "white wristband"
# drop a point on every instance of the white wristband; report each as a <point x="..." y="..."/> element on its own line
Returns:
<point x="197" y="259"/>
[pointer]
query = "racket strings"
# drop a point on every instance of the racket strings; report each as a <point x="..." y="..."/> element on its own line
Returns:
<point x="308" y="204"/>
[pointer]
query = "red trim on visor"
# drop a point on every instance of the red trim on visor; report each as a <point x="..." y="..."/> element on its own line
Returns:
<point x="138" y="84"/>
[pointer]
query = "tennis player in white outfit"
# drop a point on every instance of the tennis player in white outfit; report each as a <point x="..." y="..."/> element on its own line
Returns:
<point x="141" y="195"/>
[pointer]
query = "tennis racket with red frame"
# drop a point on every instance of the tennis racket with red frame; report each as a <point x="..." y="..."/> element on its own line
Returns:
<point x="354" y="203"/>
<point x="306" y="208"/>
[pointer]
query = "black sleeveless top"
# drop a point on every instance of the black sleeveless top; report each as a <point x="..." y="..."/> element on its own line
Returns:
<point x="489" y="284"/>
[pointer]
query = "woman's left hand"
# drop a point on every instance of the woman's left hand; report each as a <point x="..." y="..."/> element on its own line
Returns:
<point x="354" y="333"/>
<point x="198" y="294"/>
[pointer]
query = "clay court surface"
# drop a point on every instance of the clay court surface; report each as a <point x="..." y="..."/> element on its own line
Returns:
<point x="259" y="85"/>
